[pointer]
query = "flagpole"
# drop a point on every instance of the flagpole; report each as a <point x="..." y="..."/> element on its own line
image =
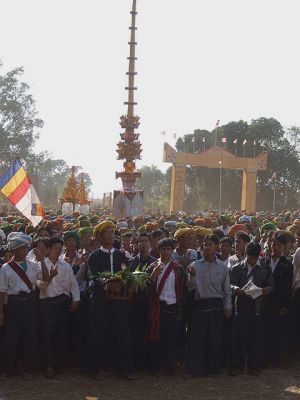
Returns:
<point x="274" y="195"/>
<point x="220" y="194"/>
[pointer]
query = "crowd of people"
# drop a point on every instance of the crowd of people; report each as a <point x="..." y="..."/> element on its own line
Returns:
<point x="218" y="292"/>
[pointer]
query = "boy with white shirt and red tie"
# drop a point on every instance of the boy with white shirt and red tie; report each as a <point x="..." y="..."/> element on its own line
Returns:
<point x="168" y="280"/>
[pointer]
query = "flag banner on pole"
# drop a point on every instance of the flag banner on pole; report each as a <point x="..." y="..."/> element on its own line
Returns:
<point x="224" y="140"/>
<point x="235" y="141"/>
<point x="15" y="185"/>
<point x="244" y="142"/>
<point x="217" y="125"/>
<point x="193" y="139"/>
<point x="203" y="140"/>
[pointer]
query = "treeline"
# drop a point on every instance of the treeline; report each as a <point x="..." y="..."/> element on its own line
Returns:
<point x="243" y="139"/>
<point x="19" y="131"/>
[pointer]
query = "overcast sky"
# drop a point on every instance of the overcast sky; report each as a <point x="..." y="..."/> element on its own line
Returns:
<point x="199" y="61"/>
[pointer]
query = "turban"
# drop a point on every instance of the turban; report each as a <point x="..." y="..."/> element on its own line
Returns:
<point x="268" y="226"/>
<point x="237" y="228"/>
<point x="182" y="232"/>
<point x="72" y="234"/>
<point x="203" y="231"/>
<point x="245" y="219"/>
<point x="18" y="239"/>
<point x="87" y="229"/>
<point x="170" y="224"/>
<point x="68" y="226"/>
<point x="7" y="227"/>
<point x="121" y="224"/>
<point x="103" y="225"/>
<point x="181" y="225"/>
<point x="255" y="220"/>
<point x="83" y="218"/>
<point x="84" y="223"/>
<point x="225" y="217"/>
<point x="151" y="226"/>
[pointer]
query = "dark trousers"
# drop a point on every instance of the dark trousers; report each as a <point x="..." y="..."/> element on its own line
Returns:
<point x="248" y="341"/>
<point x="79" y="331"/>
<point x="275" y="328"/>
<point x="227" y="341"/>
<point x="292" y="337"/>
<point x="20" y="333"/>
<point x="163" y="354"/>
<point x="184" y="324"/>
<point x="138" y="322"/>
<point x="110" y="343"/>
<point x="2" y="346"/>
<point x="205" y="342"/>
<point x="54" y="320"/>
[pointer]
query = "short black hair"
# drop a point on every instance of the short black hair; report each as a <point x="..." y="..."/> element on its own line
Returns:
<point x="38" y="240"/>
<point x="212" y="238"/>
<point x="142" y="235"/>
<point x="226" y="240"/>
<point x="166" y="242"/>
<point x="243" y="236"/>
<point x="253" y="249"/>
<point x="281" y="238"/>
<point x="157" y="233"/>
<point x="219" y="233"/>
<point x="55" y="240"/>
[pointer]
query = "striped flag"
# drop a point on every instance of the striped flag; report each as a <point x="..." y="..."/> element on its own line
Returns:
<point x="15" y="185"/>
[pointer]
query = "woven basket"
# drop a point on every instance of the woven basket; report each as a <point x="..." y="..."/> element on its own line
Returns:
<point x="117" y="290"/>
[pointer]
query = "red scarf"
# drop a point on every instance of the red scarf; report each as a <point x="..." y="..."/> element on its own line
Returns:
<point x="22" y="275"/>
<point x="153" y="323"/>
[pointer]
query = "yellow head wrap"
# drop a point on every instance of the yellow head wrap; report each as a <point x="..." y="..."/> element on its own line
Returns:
<point x="182" y="232"/>
<point x="203" y="231"/>
<point x="103" y="225"/>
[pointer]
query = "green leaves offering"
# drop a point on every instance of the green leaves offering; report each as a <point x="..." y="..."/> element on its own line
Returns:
<point x="135" y="281"/>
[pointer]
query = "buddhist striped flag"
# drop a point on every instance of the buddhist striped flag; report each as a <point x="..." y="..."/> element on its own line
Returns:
<point x="15" y="185"/>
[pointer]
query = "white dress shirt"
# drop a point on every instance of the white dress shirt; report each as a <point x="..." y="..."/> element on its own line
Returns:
<point x="168" y="293"/>
<point x="111" y="251"/>
<point x="273" y="264"/>
<point x="63" y="283"/>
<point x="296" y="263"/>
<point x="12" y="284"/>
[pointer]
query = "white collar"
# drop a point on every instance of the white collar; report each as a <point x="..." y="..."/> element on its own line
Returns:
<point x="106" y="250"/>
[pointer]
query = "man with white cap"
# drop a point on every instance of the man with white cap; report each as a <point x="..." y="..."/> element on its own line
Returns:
<point x="18" y="280"/>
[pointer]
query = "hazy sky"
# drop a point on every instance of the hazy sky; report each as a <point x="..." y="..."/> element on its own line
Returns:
<point x="199" y="61"/>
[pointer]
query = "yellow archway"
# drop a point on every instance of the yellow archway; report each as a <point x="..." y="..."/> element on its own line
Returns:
<point x="215" y="157"/>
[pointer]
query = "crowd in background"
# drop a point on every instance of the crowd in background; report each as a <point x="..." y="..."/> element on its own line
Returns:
<point x="222" y="292"/>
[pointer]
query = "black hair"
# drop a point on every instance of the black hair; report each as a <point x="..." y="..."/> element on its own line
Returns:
<point x="45" y="228"/>
<point x="243" y="236"/>
<point x="157" y="233"/>
<point x="226" y="240"/>
<point x="143" y="234"/>
<point x="166" y="232"/>
<point x="219" y="233"/>
<point x="55" y="240"/>
<point x="253" y="249"/>
<point x="37" y="240"/>
<point x="212" y="238"/>
<point x="281" y="238"/>
<point x="166" y="242"/>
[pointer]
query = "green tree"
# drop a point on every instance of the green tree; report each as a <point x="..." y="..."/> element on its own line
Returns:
<point x="19" y="123"/>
